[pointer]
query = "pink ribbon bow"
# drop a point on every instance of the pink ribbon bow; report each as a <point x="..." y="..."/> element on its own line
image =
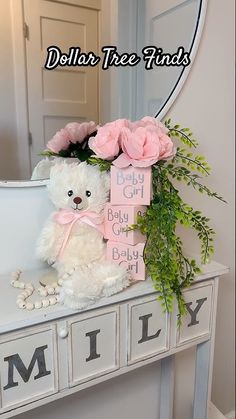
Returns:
<point x="71" y="217"/>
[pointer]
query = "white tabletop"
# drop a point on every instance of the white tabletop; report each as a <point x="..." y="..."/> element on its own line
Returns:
<point x="13" y="318"/>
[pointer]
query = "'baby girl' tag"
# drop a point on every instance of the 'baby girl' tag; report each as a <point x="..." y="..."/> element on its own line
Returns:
<point x="118" y="219"/>
<point x="129" y="256"/>
<point x="131" y="185"/>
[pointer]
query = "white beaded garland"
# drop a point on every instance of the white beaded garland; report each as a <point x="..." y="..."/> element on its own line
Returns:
<point x="60" y="281"/>
<point x="38" y="304"/>
<point x="29" y="286"/>
<point x="21" y="304"/>
<point x="45" y="303"/>
<point x="43" y="292"/>
<point x="52" y="301"/>
<point x="19" y="300"/>
<point x="50" y="290"/>
<point x="28" y="289"/>
<point x="29" y="306"/>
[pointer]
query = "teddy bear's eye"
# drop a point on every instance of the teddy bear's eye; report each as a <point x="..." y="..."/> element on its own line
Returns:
<point x="70" y="193"/>
<point x="88" y="193"/>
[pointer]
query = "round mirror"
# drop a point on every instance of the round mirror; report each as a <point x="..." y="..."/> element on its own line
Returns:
<point x="37" y="102"/>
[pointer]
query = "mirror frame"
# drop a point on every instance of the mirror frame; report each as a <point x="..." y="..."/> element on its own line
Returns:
<point x="185" y="72"/>
<point x="23" y="183"/>
<point x="165" y="107"/>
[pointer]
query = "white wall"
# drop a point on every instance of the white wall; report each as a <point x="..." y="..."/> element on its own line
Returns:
<point x="206" y="104"/>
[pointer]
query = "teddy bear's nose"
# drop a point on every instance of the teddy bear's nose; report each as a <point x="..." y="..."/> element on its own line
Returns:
<point x="77" y="200"/>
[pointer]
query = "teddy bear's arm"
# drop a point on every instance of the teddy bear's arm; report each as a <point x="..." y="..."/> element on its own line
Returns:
<point x="48" y="243"/>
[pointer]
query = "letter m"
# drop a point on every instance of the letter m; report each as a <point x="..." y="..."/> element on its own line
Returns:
<point x="14" y="361"/>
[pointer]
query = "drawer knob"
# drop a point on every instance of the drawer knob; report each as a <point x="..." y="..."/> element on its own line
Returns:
<point x="63" y="333"/>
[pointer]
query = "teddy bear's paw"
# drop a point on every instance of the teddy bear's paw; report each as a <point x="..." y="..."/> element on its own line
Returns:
<point x="80" y="291"/>
<point x="91" y="265"/>
<point x="115" y="285"/>
<point x="60" y="281"/>
<point x="114" y="278"/>
<point x="76" y="301"/>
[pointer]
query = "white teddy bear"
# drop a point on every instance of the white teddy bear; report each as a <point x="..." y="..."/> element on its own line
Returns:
<point x="72" y="238"/>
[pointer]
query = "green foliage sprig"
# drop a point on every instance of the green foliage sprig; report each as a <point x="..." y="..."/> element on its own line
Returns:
<point x="169" y="268"/>
<point x="104" y="165"/>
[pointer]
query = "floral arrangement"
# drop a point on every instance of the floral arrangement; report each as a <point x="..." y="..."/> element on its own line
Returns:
<point x="169" y="150"/>
<point x="72" y="141"/>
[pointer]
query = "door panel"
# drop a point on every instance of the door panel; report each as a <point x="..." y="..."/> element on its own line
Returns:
<point x="65" y="94"/>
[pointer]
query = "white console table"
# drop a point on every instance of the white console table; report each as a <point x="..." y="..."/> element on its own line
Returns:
<point x="51" y="353"/>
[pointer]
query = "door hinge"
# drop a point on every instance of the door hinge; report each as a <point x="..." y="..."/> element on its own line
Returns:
<point x="26" y="30"/>
<point x="30" y="139"/>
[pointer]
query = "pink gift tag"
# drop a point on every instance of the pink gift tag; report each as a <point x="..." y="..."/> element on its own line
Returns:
<point x="129" y="256"/>
<point x="118" y="218"/>
<point x="131" y="185"/>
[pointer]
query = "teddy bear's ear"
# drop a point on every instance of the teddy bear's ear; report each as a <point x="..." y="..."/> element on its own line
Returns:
<point x="56" y="168"/>
<point x="106" y="180"/>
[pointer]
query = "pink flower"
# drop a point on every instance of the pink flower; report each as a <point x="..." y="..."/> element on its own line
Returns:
<point x="78" y="132"/>
<point x="60" y="141"/>
<point x="141" y="148"/>
<point x="72" y="133"/>
<point x="167" y="148"/>
<point x="106" y="144"/>
<point x="121" y="123"/>
<point x="149" y="120"/>
<point x="142" y="142"/>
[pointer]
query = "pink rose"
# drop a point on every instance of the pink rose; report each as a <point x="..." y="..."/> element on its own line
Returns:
<point x="167" y="148"/>
<point x="60" y="141"/>
<point x="141" y="148"/>
<point x="143" y="142"/>
<point x="78" y="132"/>
<point x="106" y="143"/>
<point x="72" y="133"/>
<point x="149" y="120"/>
<point x="120" y="123"/>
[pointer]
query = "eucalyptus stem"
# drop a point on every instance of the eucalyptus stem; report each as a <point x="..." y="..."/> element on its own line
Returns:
<point x="192" y="161"/>
<point x="184" y="135"/>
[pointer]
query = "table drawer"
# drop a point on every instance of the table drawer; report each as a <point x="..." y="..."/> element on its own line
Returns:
<point x="197" y="323"/>
<point x="28" y="367"/>
<point x="93" y="345"/>
<point x="148" y="330"/>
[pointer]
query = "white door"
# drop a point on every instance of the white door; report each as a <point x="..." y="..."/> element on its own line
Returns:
<point x="64" y="94"/>
<point x="167" y="25"/>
